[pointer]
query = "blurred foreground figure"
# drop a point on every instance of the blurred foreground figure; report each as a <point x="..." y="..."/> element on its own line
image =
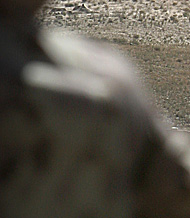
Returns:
<point x="76" y="140"/>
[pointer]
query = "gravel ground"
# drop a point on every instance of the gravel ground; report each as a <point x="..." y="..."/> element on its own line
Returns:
<point x="144" y="21"/>
<point x="154" y="33"/>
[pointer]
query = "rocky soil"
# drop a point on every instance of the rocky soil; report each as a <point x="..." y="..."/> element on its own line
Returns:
<point x="154" y="33"/>
<point x="144" y="21"/>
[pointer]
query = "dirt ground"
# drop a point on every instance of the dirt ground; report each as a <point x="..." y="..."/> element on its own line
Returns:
<point x="165" y="73"/>
<point x="155" y="34"/>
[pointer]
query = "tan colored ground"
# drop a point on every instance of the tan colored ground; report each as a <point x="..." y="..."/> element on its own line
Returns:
<point x="165" y="72"/>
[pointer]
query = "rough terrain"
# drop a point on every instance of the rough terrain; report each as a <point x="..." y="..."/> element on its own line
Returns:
<point x="154" y="33"/>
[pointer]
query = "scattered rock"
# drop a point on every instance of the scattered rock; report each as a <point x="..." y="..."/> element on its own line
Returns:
<point x="131" y="17"/>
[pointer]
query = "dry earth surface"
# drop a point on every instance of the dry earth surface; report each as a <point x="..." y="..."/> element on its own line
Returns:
<point x="154" y="33"/>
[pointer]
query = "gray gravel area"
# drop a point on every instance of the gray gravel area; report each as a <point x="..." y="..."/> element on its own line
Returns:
<point x="155" y="33"/>
<point x="144" y="21"/>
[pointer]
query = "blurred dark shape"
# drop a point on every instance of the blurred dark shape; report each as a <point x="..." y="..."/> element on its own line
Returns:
<point x="76" y="137"/>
